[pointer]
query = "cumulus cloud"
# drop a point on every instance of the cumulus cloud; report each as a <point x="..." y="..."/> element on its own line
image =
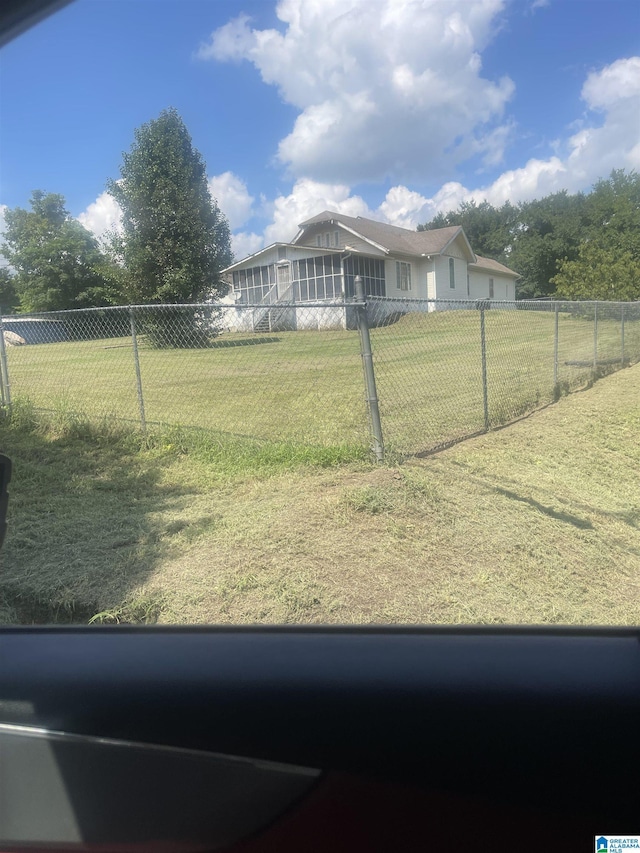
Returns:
<point x="232" y="196"/>
<point x="102" y="216"/>
<point x="586" y="155"/>
<point x="246" y="243"/>
<point x="306" y="199"/>
<point x="613" y="84"/>
<point x="606" y="137"/>
<point x="384" y="89"/>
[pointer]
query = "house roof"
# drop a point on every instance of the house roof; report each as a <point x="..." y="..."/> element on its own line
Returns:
<point x="390" y="237"/>
<point x="490" y="264"/>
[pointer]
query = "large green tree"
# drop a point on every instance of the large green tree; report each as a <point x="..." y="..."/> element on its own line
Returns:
<point x="174" y="240"/>
<point x="546" y="231"/>
<point x="607" y="264"/>
<point x="57" y="263"/>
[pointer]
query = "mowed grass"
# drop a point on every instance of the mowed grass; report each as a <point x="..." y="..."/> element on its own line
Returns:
<point x="307" y="386"/>
<point x="538" y="522"/>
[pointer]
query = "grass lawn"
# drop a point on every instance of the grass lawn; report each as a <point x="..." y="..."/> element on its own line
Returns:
<point x="534" y="523"/>
<point x="308" y="386"/>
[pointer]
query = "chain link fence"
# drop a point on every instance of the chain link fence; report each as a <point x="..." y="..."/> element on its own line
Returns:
<point x="446" y="370"/>
<point x="415" y="375"/>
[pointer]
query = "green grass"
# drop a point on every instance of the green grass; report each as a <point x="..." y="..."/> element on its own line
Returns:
<point x="535" y="523"/>
<point x="307" y="387"/>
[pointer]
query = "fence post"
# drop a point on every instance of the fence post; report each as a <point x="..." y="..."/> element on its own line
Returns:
<point x="555" y="347"/>
<point x="4" y="369"/>
<point x="369" y="374"/>
<point x="485" y="387"/>
<point x="622" y="334"/>
<point x="595" y="335"/>
<point x="136" y="360"/>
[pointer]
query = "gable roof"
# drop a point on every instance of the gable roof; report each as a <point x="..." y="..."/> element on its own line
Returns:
<point x="490" y="264"/>
<point x="392" y="238"/>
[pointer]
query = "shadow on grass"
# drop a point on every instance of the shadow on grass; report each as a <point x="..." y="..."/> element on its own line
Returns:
<point x="85" y="529"/>
<point x="581" y="523"/>
<point x="223" y="343"/>
<point x="96" y="510"/>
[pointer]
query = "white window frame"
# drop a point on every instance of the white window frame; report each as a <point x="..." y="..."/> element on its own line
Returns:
<point x="491" y="288"/>
<point x="319" y="241"/>
<point x="403" y="275"/>
<point x="452" y="274"/>
<point x="336" y="239"/>
<point x="468" y="286"/>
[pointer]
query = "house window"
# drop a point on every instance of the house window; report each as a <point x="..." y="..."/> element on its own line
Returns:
<point x="452" y="274"/>
<point x="490" y="288"/>
<point x="319" y="240"/>
<point x="254" y="284"/>
<point x="468" y="286"/>
<point x="372" y="272"/>
<point x="403" y="275"/>
<point x="327" y="240"/>
<point x="317" y="278"/>
<point x="282" y="253"/>
<point x="336" y="239"/>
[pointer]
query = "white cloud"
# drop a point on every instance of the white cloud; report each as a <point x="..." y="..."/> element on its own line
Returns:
<point x="613" y="84"/>
<point x="384" y="89"/>
<point x="246" y="243"/>
<point x="588" y="154"/>
<point x="102" y="215"/>
<point x="402" y="207"/>
<point x="306" y="199"/>
<point x="232" y="197"/>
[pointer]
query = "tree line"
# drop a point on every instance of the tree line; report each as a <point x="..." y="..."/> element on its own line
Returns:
<point x="573" y="246"/>
<point x="172" y="246"/>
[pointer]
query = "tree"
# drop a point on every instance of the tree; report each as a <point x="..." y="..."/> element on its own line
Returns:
<point x="607" y="265"/>
<point x="174" y="240"/>
<point x="599" y="273"/>
<point x="58" y="263"/>
<point x="547" y="231"/>
<point x="8" y="297"/>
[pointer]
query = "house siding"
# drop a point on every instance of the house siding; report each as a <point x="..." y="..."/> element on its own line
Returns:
<point x="458" y="249"/>
<point x="345" y="238"/>
<point x="419" y="277"/>
<point x="503" y="286"/>
<point x="443" y="290"/>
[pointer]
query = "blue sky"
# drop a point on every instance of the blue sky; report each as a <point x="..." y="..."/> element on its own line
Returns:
<point x="384" y="108"/>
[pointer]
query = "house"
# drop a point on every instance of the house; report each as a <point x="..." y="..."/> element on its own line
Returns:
<point x="330" y="249"/>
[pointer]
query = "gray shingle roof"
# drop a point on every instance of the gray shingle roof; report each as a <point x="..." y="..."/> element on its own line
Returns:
<point x="392" y="237"/>
<point x="490" y="264"/>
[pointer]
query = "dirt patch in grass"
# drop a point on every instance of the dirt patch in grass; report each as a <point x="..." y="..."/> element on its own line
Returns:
<point x="535" y="523"/>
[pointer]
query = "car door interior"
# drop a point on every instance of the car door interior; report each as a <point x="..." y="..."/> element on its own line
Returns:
<point x="316" y="738"/>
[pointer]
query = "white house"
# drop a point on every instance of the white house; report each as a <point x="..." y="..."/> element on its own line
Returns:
<point x="330" y="249"/>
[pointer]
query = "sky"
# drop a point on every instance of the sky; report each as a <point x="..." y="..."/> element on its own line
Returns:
<point x="391" y="109"/>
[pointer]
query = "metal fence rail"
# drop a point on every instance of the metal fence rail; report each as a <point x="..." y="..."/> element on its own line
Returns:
<point x="414" y="375"/>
